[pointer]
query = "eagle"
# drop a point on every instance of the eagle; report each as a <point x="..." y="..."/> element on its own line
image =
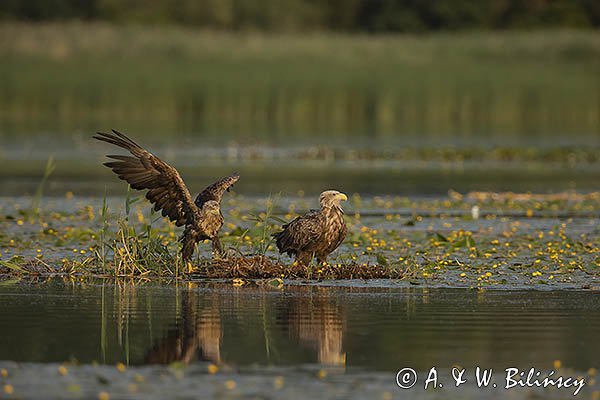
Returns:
<point x="202" y="217"/>
<point x="317" y="233"/>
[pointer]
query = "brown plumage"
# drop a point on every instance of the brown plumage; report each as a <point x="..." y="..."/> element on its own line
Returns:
<point x="317" y="233"/>
<point x="167" y="191"/>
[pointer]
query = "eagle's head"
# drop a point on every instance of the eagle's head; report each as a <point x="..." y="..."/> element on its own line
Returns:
<point x="332" y="198"/>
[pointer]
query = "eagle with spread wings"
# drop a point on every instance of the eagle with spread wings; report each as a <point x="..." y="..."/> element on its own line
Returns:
<point x="202" y="217"/>
<point x="317" y="233"/>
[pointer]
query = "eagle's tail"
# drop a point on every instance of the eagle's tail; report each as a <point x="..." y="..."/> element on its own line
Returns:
<point x="282" y="241"/>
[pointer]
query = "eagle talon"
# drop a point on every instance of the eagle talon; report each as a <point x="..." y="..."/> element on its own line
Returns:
<point x="190" y="267"/>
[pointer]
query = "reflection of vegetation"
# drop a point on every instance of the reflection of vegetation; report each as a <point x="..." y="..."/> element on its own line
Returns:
<point x="174" y="80"/>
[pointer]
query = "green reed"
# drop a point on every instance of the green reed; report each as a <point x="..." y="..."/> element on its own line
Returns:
<point x="468" y="85"/>
<point x="34" y="207"/>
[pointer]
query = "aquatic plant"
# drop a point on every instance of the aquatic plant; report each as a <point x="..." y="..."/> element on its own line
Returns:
<point x="34" y="207"/>
<point x="529" y="239"/>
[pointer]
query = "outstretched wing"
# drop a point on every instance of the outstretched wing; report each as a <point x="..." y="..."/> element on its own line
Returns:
<point x="166" y="189"/>
<point x="300" y="234"/>
<point x="216" y="190"/>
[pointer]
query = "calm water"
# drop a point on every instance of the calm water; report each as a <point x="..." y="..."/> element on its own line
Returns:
<point x="288" y="169"/>
<point x="365" y="328"/>
<point x="299" y="341"/>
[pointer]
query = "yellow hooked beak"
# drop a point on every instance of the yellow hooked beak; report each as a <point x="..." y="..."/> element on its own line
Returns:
<point x="342" y="196"/>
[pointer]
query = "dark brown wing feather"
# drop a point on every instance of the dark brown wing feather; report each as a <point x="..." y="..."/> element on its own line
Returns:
<point x="215" y="191"/>
<point x="166" y="189"/>
<point x="301" y="234"/>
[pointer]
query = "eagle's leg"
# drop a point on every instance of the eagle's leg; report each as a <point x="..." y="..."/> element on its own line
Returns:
<point x="188" y="239"/>
<point x="304" y="258"/>
<point x="217" y="247"/>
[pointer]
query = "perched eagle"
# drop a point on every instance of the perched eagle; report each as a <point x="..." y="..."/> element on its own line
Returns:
<point x="167" y="191"/>
<point x="317" y="233"/>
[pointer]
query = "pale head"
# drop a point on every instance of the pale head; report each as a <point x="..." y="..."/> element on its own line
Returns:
<point x="332" y="198"/>
<point x="211" y="207"/>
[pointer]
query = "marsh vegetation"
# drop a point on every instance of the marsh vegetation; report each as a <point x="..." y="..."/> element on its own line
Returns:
<point x="547" y="240"/>
<point x="73" y="77"/>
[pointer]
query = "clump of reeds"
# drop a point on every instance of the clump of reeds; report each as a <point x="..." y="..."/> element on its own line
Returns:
<point x="139" y="253"/>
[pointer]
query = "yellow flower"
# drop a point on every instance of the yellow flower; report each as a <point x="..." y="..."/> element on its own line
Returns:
<point x="230" y="384"/>
<point x="212" y="369"/>
<point x="279" y="382"/>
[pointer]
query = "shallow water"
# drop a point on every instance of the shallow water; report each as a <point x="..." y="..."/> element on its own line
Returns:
<point x="357" y="335"/>
<point x="368" y="167"/>
<point x="527" y="244"/>
<point x="371" y="328"/>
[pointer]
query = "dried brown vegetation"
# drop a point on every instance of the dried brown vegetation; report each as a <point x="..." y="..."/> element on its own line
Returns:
<point x="261" y="267"/>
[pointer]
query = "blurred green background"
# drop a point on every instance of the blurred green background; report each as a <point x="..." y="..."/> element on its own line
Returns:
<point x="356" y="81"/>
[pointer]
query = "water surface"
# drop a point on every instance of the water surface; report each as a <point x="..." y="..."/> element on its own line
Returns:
<point x="365" y="328"/>
<point x="265" y="342"/>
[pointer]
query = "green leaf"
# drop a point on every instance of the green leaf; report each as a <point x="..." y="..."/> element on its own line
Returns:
<point x="460" y="243"/>
<point x="275" y="282"/>
<point x="9" y="282"/>
<point x="13" y="266"/>
<point x="237" y="231"/>
<point x="382" y="260"/>
<point x="278" y="219"/>
<point x="469" y="241"/>
<point x="441" y="237"/>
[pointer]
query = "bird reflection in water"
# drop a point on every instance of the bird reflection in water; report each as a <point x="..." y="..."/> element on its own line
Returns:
<point x="310" y="318"/>
<point x="316" y="321"/>
<point x="199" y="336"/>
